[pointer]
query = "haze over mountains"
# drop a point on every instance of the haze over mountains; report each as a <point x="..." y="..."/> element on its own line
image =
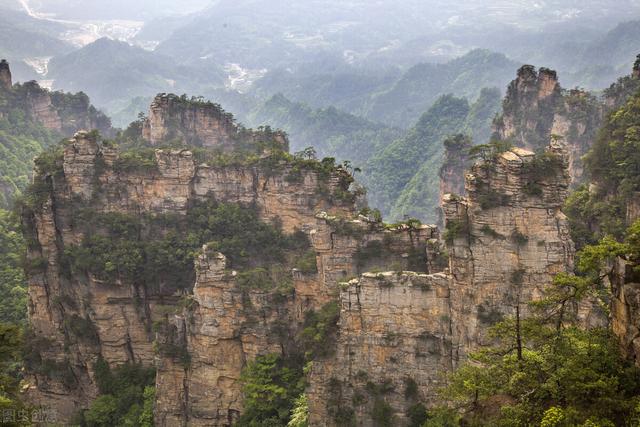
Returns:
<point x="261" y="48"/>
<point x="368" y="71"/>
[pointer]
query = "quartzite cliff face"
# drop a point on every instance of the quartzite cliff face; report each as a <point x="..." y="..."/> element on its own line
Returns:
<point x="401" y="328"/>
<point x="79" y="318"/>
<point x="537" y="109"/>
<point x="197" y="123"/>
<point x="5" y="75"/>
<point x="412" y="322"/>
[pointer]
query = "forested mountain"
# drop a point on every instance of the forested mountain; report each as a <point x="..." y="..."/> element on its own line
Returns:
<point x="114" y="72"/>
<point x="330" y="131"/>
<point x="403" y="177"/>
<point x="422" y="84"/>
<point x="392" y="98"/>
<point x="187" y="168"/>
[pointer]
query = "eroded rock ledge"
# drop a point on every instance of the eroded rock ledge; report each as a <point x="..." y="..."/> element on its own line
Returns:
<point x="407" y="316"/>
<point x="404" y="331"/>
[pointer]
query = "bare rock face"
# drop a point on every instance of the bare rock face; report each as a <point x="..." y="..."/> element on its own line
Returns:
<point x="537" y="109"/>
<point x="507" y="239"/>
<point x="625" y="307"/>
<point x="63" y="113"/>
<point x="41" y="107"/>
<point x="456" y="162"/>
<point x="399" y="330"/>
<point x="113" y="321"/>
<point x="529" y="107"/>
<point x="196" y="122"/>
<point x="404" y="331"/>
<point x="227" y="328"/>
<point x="80" y="318"/>
<point x="5" y="75"/>
<point x="394" y="336"/>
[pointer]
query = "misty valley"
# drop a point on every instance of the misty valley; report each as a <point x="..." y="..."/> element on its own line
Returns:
<point x="252" y="213"/>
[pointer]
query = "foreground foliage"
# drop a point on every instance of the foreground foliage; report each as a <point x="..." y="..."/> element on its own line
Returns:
<point x="545" y="369"/>
<point x="127" y="397"/>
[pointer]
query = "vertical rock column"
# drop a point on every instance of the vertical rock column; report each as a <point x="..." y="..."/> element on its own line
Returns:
<point x="5" y="75"/>
<point x="506" y="240"/>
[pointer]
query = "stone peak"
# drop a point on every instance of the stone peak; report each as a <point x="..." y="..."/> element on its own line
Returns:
<point x="5" y="75"/>
<point x="529" y="73"/>
<point x="197" y="121"/>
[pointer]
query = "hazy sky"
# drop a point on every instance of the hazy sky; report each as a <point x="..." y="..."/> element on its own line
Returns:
<point x="110" y="9"/>
<point x="534" y="12"/>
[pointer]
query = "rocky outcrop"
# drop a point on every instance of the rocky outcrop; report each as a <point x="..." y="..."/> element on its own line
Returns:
<point x="85" y="317"/>
<point x="625" y="307"/>
<point x="537" y="109"/>
<point x="60" y="112"/>
<point x="95" y="180"/>
<point x="393" y="347"/>
<point x="507" y="239"/>
<point x="404" y="331"/>
<point x="200" y="123"/>
<point x="529" y="107"/>
<point x="229" y="326"/>
<point x="456" y="162"/>
<point x="400" y="329"/>
<point x="41" y="108"/>
<point x="5" y="75"/>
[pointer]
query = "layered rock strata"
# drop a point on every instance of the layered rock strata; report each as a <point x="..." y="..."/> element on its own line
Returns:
<point x="196" y="122"/>
<point x="120" y="316"/>
<point x="400" y="328"/>
<point x="59" y="112"/>
<point x="537" y="109"/>
<point x="625" y="307"/>
<point x="456" y="162"/>
<point x="229" y="326"/>
<point x="405" y="331"/>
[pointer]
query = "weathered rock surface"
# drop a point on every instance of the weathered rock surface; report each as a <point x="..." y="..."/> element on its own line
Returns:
<point x="397" y="328"/>
<point x="506" y="243"/>
<point x="231" y="326"/>
<point x="625" y="307"/>
<point x="60" y="112"/>
<point x="456" y="162"/>
<point x="537" y="109"/>
<point x="196" y="122"/>
<point x="402" y="328"/>
<point x="228" y="325"/>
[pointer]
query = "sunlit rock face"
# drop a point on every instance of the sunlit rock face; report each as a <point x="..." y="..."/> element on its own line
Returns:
<point x="78" y="318"/>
